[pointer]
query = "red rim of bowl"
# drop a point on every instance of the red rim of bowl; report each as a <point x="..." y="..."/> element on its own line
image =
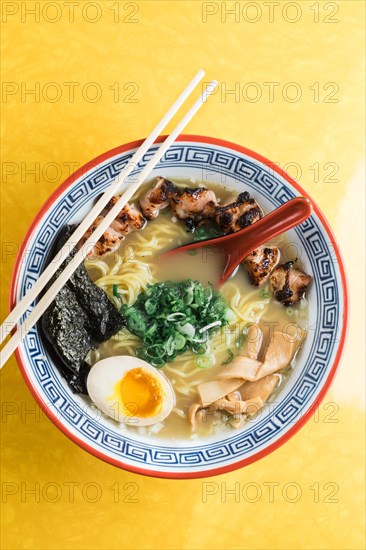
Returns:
<point x="306" y="415"/>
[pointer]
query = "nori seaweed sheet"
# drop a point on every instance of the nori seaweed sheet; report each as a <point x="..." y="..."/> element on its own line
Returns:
<point x="103" y="317"/>
<point x="65" y="326"/>
<point x="80" y="317"/>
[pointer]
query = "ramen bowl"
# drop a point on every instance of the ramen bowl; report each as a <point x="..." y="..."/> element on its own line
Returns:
<point x="221" y="163"/>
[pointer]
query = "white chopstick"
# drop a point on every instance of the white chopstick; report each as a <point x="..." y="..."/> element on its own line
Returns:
<point x="52" y="267"/>
<point x="49" y="296"/>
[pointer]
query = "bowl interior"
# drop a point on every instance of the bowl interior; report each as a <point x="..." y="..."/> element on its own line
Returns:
<point x="221" y="163"/>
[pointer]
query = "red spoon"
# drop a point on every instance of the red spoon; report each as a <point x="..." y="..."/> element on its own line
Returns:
<point x="236" y="246"/>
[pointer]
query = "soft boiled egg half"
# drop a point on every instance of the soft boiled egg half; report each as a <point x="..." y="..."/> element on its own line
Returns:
<point x="130" y="390"/>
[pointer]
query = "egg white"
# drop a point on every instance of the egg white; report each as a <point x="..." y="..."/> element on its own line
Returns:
<point x="104" y="376"/>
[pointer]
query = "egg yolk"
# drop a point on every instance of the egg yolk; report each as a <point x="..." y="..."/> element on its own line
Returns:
<point x="141" y="393"/>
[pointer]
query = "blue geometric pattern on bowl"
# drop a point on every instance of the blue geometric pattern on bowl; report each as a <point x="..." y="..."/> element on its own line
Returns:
<point x="234" y="446"/>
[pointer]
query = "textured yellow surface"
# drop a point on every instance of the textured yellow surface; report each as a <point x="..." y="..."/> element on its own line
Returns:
<point x="296" y="73"/>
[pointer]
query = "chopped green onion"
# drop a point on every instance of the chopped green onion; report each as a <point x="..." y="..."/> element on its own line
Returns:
<point x="206" y="232"/>
<point x="172" y="317"/>
<point x="211" y="325"/>
<point x="150" y="307"/>
<point x="200" y="340"/>
<point x="187" y="329"/>
<point x="265" y="293"/>
<point x="220" y="308"/>
<point x="229" y="359"/>
<point x="240" y="341"/>
<point x="205" y="361"/>
<point x="169" y="345"/>
<point x="136" y="323"/>
<point x="179" y="342"/>
<point x="229" y="315"/>
<point x="175" y="316"/>
<point x="200" y="234"/>
<point x="188" y="295"/>
<point x="199" y="349"/>
<point x="207" y="293"/>
<point x="155" y="351"/>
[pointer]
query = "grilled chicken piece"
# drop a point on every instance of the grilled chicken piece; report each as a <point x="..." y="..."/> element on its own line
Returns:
<point x="261" y="262"/>
<point x="108" y="243"/>
<point x="238" y="214"/>
<point x="129" y="219"/>
<point x="157" y="198"/>
<point x="193" y="206"/>
<point x="289" y="284"/>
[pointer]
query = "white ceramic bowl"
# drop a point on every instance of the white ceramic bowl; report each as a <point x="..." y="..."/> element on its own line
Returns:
<point x="215" y="161"/>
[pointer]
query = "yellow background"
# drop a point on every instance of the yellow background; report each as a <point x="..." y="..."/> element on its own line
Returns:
<point x="158" y="49"/>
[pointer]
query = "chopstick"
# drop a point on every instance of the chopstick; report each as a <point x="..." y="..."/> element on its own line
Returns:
<point x="49" y="296"/>
<point x="52" y="267"/>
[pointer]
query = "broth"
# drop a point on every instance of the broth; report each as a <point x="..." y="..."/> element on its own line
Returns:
<point x="137" y="264"/>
